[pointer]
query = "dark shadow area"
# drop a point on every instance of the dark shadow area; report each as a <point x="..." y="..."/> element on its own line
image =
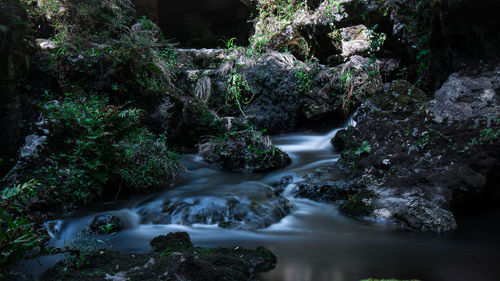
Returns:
<point x="205" y="23"/>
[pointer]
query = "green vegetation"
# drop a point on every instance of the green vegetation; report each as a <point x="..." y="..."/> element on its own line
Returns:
<point x="304" y="79"/>
<point x="230" y="44"/>
<point x="104" y="149"/>
<point x="238" y="91"/>
<point x="19" y="225"/>
<point x="272" y="17"/>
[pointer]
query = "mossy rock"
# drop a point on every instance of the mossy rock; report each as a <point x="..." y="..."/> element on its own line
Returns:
<point x="172" y="242"/>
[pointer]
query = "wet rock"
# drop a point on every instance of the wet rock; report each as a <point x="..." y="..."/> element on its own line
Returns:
<point x="419" y="169"/>
<point x="243" y="151"/>
<point x="172" y="242"/>
<point x="284" y="182"/>
<point x="106" y="224"/>
<point x="411" y="211"/>
<point x="254" y="206"/>
<point x="186" y="263"/>
<point x="324" y="191"/>
<point x="422" y="215"/>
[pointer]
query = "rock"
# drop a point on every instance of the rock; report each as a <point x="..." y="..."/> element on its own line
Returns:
<point x="278" y="92"/>
<point x="324" y="191"/>
<point x="243" y="151"/>
<point x="417" y="168"/>
<point x="422" y="215"/>
<point x="354" y="40"/>
<point x="464" y="97"/>
<point x="185" y="263"/>
<point x="172" y="242"/>
<point x="412" y="212"/>
<point x="46" y="44"/>
<point x="251" y="206"/>
<point x="33" y="144"/>
<point x="106" y="224"/>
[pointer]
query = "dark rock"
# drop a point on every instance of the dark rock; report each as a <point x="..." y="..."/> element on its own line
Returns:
<point x="244" y="151"/>
<point x="324" y="191"/>
<point x="467" y="96"/>
<point x="417" y="168"/>
<point x="282" y="92"/>
<point x="172" y="242"/>
<point x="106" y="224"/>
<point x="284" y="182"/>
<point x="186" y="263"/>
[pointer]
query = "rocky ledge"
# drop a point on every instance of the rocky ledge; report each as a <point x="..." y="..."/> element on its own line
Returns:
<point x="174" y="257"/>
<point x="421" y="160"/>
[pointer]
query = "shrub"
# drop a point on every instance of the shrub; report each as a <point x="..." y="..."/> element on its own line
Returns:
<point x="19" y="232"/>
<point x="104" y="148"/>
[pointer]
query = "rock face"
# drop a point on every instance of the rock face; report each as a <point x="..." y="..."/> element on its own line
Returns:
<point x="417" y="168"/>
<point x="467" y="96"/>
<point x="244" y="151"/>
<point x="275" y="91"/>
<point x="427" y="35"/>
<point x="174" y="258"/>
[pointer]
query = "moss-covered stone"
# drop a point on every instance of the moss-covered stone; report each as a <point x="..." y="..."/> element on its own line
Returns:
<point x="244" y="151"/>
<point x="185" y="263"/>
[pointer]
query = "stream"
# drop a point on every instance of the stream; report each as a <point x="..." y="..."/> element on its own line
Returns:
<point x="314" y="242"/>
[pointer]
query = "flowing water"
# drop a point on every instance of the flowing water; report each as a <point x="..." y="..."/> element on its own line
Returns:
<point x="314" y="242"/>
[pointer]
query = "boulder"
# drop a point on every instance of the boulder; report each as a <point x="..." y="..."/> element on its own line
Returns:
<point x="245" y="151"/>
<point x="468" y="97"/>
<point x="172" y="242"/>
<point x="106" y="224"/>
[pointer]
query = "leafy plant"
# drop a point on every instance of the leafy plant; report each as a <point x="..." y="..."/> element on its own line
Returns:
<point x="238" y="91"/>
<point x="230" y="43"/>
<point x="305" y="79"/>
<point x="104" y="147"/>
<point x="19" y="233"/>
<point x="356" y="206"/>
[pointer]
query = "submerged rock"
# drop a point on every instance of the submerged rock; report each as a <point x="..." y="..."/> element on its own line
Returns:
<point x="248" y="206"/>
<point x="245" y="151"/>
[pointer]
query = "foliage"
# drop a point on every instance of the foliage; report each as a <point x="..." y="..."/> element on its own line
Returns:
<point x="272" y="16"/>
<point x="19" y="233"/>
<point x="105" y="147"/>
<point x="229" y="43"/>
<point x="238" y="91"/>
<point x="305" y="79"/>
<point x="102" y="48"/>
<point x="422" y="16"/>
